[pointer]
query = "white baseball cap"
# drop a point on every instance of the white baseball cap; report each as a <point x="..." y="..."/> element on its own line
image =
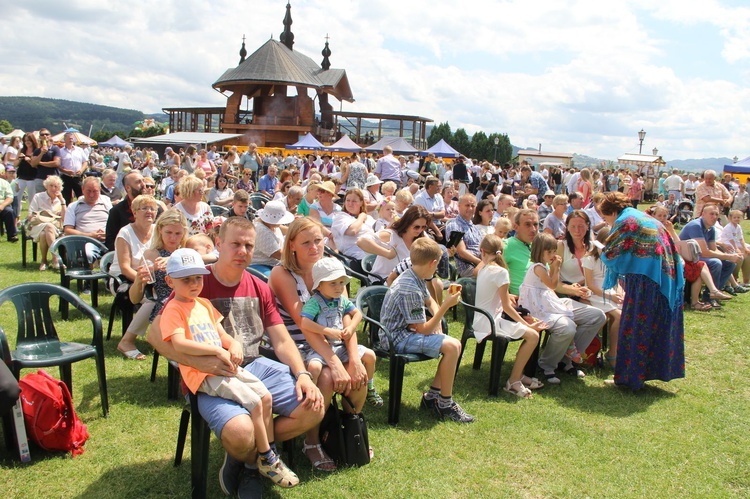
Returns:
<point x="327" y="269"/>
<point x="185" y="262"/>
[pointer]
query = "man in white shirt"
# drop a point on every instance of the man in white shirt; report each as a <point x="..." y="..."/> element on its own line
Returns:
<point x="412" y="163"/>
<point x="675" y="185"/>
<point x="572" y="181"/>
<point x="73" y="163"/>
<point x="88" y="216"/>
<point x="690" y="185"/>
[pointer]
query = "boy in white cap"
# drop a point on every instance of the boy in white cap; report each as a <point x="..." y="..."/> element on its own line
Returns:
<point x="339" y="319"/>
<point x="193" y="326"/>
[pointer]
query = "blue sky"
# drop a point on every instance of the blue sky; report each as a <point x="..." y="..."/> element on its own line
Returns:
<point x="574" y="75"/>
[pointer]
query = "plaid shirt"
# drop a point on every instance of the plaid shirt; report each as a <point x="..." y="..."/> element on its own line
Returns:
<point x="403" y="306"/>
<point x="472" y="239"/>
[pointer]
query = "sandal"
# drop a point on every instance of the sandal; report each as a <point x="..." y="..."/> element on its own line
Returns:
<point x="325" y="463"/>
<point x="701" y="307"/>
<point x="720" y="295"/>
<point x="133" y="354"/>
<point x="518" y="389"/>
<point x="43" y="267"/>
<point x="531" y="383"/>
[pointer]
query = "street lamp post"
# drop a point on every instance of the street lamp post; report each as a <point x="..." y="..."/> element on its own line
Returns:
<point x="735" y="159"/>
<point x="655" y="152"/>
<point x="497" y="142"/>
<point x="641" y="136"/>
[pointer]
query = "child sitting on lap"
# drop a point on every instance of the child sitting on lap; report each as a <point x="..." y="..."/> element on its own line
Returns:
<point x="339" y="319"/>
<point x="194" y="327"/>
<point x="404" y="316"/>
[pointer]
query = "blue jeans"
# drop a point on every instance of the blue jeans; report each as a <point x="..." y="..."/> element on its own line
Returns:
<point x="720" y="272"/>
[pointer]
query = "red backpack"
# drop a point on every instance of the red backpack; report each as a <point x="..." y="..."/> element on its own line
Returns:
<point x="51" y="421"/>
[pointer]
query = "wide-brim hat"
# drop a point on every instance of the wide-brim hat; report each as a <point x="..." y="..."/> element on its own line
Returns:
<point x="328" y="269"/>
<point x="550" y="192"/>
<point x="185" y="262"/>
<point x="372" y="180"/>
<point x="275" y="213"/>
<point x="327" y="186"/>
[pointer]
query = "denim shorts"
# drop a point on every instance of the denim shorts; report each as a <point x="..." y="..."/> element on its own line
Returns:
<point x="278" y="380"/>
<point x="428" y="345"/>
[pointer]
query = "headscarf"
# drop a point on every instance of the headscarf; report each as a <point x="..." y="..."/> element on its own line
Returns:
<point x="639" y="244"/>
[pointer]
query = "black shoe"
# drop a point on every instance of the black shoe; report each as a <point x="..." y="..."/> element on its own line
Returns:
<point x="13" y="239"/>
<point x="730" y="290"/>
<point x="428" y="405"/>
<point x="454" y="412"/>
<point x="229" y="474"/>
<point x="714" y="303"/>
<point x="249" y="486"/>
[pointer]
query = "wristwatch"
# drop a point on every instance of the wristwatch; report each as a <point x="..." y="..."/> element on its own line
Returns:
<point x="303" y="372"/>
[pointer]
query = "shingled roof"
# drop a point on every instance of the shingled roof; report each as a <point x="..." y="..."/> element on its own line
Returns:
<point x="274" y="63"/>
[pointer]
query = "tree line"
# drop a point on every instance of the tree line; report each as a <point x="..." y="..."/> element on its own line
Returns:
<point x="479" y="146"/>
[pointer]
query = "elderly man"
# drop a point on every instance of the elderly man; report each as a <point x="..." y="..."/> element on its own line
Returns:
<point x="88" y="216"/>
<point x="293" y="198"/>
<point x="690" y="185"/>
<point x="702" y="230"/>
<point x="576" y="202"/>
<point x="431" y="199"/>
<point x="674" y="185"/>
<point x="121" y="215"/>
<point x="388" y="167"/>
<point x="249" y="311"/>
<point x="536" y="183"/>
<point x="73" y="164"/>
<point x="251" y="160"/>
<point x="711" y="191"/>
<point x="587" y="320"/>
<point x="267" y="183"/>
<point x="6" y="207"/>
<point x="468" y="255"/>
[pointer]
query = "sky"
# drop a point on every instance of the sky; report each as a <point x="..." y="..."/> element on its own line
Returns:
<point x="574" y="76"/>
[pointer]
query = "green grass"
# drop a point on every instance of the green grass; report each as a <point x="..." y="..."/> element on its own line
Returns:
<point x="686" y="438"/>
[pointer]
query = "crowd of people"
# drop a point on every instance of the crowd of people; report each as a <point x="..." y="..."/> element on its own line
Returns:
<point x="562" y="253"/>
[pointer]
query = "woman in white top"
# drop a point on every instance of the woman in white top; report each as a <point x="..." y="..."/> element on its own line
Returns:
<point x="394" y="244"/>
<point x="12" y="151"/>
<point x="483" y="214"/>
<point x="554" y="223"/>
<point x="352" y="223"/>
<point x="199" y="216"/>
<point x="324" y="209"/>
<point x="492" y="295"/>
<point x="131" y="243"/>
<point x="220" y="194"/>
<point x="47" y="226"/>
<point x="576" y="245"/>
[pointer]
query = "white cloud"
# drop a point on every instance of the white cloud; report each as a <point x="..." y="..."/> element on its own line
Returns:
<point x="579" y="76"/>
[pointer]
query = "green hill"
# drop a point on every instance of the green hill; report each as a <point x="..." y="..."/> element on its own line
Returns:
<point x="33" y="113"/>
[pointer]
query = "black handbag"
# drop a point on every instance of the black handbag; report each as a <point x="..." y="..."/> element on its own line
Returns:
<point x="344" y="435"/>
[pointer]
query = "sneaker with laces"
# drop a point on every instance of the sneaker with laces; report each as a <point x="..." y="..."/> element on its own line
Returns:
<point x="229" y="474"/>
<point x="278" y="472"/>
<point x="429" y="405"/>
<point x="454" y="412"/>
<point x="374" y="398"/>
<point x="249" y="485"/>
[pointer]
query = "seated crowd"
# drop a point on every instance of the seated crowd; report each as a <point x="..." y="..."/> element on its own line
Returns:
<point x="533" y="240"/>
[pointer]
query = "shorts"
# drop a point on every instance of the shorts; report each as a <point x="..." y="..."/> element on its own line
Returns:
<point x="277" y="378"/>
<point x="425" y="344"/>
<point x="310" y="355"/>
<point x="244" y="388"/>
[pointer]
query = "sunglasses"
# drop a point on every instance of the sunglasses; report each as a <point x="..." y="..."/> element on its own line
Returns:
<point x="150" y="186"/>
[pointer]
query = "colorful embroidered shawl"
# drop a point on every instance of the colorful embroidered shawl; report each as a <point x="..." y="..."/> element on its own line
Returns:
<point x="639" y="244"/>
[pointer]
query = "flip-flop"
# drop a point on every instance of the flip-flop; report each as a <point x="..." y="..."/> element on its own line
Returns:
<point x="133" y="354"/>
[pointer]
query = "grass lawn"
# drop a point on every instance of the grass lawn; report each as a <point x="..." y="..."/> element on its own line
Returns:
<point x="686" y="438"/>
